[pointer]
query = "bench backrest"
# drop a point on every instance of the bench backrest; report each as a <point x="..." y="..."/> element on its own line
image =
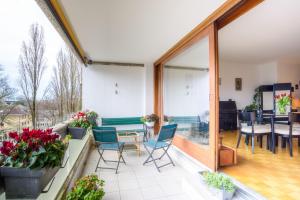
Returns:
<point x="121" y="121"/>
<point x="185" y="119"/>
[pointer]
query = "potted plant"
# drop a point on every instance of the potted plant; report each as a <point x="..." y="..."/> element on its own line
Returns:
<point x="31" y="159"/>
<point x="92" y="117"/>
<point x="79" y="125"/>
<point x="89" y="187"/>
<point x="282" y="101"/>
<point x="150" y="120"/>
<point x="220" y="185"/>
<point x="167" y="120"/>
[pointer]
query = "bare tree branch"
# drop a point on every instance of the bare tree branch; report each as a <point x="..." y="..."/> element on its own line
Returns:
<point x="32" y="65"/>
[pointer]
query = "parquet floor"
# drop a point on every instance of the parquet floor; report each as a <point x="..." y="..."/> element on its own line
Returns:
<point x="275" y="176"/>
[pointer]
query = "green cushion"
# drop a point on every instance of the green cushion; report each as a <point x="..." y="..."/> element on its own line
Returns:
<point x="121" y="121"/>
<point x="185" y="119"/>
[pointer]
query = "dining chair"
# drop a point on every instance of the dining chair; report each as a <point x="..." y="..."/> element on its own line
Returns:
<point x="249" y="128"/>
<point x="164" y="141"/>
<point x="107" y="140"/>
<point x="289" y="131"/>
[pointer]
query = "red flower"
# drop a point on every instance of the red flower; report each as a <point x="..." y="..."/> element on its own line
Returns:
<point x="14" y="135"/>
<point x="7" y="147"/>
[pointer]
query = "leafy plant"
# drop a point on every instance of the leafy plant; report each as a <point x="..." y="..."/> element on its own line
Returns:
<point x="282" y="102"/>
<point x="92" y="117"/>
<point x="80" y="120"/>
<point x="87" y="188"/>
<point x="33" y="149"/>
<point x="219" y="181"/>
<point x="168" y="119"/>
<point x="250" y="107"/>
<point x="150" y="118"/>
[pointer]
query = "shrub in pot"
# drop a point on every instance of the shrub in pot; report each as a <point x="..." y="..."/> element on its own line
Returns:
<point x="92" y="117"/>
<point x="220" y="184"/>
<point x="31" y="159"/>
<point x="89" y="188"/>
<point x="79" y="125"/>
<point x="167" y="120"/>
<point x="150" y="120"/>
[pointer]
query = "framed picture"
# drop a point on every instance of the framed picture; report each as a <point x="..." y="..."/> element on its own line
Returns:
<point x="238" y="84"/>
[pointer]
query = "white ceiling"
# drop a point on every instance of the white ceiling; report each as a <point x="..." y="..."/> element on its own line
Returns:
<point x="270" y="31"/>
<point x="134" y="30"/>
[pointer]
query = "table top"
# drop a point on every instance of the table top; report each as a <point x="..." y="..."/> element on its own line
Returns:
<point x="128" y="134"/>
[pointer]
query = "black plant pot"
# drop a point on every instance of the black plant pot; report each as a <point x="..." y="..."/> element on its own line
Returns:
<point x="77" y="132"/>
<point x="24" y="183"/>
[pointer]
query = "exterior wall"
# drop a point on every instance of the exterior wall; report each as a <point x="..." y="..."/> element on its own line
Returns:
<point x="99" y="90"/>
<point x="182" y="101"/>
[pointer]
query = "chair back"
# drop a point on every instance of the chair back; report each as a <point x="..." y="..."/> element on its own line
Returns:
<point x="105" y="134"/>
<point x="167" y="132"/>
<point x="248" y="117"/>
<point x="294" y="117"/>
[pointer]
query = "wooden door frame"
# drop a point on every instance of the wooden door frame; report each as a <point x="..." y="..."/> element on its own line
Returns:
<point x="226" y="13"/>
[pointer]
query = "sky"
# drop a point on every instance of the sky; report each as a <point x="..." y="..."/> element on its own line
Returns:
<point x="16" y="16"/>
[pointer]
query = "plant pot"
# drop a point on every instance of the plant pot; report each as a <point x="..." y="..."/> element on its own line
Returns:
<point x="149" y="124"/>
<point x="77" y="132"/>
<point x="217" y="193"/>
<point x="25" y="183"/>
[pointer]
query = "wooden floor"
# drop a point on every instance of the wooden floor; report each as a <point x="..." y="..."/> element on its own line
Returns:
<point x="275" y="176"/>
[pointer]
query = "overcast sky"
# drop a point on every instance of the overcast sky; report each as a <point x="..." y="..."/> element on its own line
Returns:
<point x="16" y="18"/>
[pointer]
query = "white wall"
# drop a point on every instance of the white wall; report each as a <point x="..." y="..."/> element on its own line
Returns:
<point x="99" y="90"/>
<point x="289" y="73"/>
<point x="252" y="76"/>
<point x="186" y="92"/>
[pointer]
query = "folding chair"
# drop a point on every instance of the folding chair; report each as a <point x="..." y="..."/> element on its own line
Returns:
<point x="106" y="139"/>
<point x="164" y="141"/>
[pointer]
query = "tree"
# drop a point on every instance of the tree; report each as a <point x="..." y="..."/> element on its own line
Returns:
<point x="65" y="85"/>
<point x="5" y="92"/>
<point x="32" y="65"/>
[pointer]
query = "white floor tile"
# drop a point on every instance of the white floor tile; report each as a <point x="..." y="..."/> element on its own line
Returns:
<point x="128" y="184"/>
<point x="153" y="192"/>
<point x="112" y="196"/>
<point x="111" y="186"/>
<point x="131" y="195"/>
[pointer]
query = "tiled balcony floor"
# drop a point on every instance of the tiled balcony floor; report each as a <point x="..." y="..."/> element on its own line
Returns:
<point x="137" y="182"/>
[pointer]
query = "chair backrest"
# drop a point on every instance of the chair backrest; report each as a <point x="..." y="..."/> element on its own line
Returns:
<point x="167" y="132"/>
<point x="248" y="117"/>
<point x="105" y="134"/>
<point x="294" y="117"/>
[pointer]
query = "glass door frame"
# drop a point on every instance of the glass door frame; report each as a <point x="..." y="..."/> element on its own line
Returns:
<point x="225" y="14"/>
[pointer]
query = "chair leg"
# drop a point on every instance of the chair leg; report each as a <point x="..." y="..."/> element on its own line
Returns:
<point x="101" y="157"/>
<point x="150" y="156"/>
<point x="261" y="141"/>
<point x="291" y="146"/>
<point x="283" y="142"/>
<point x="239" y="140"/>
<point x="247" y="140"/>
<point x="166" y="153"/>
<point x="120" y="157"/>
<point x="252" y="143"/>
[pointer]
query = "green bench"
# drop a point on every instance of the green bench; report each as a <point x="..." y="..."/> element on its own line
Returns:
<point x="192" y="120"/>
<point x="123" y="124"/>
